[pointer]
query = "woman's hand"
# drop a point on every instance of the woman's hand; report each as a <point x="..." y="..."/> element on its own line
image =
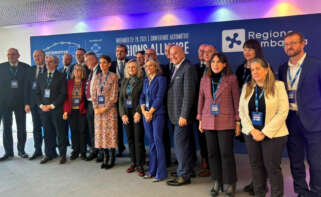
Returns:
<point x="125" y="120"/>
<point x="200" y="127"/>
<point x="65" y="116"/>
<point x="137" y="117"/>
<point x="237" y="129"/>
<point x="257" y="135"/>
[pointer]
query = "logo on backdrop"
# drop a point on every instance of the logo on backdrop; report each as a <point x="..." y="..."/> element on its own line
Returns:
<point x="233" y="40"/>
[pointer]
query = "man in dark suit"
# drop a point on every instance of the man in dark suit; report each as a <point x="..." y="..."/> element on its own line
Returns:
<point x="31" y="105"/>
<point x="92" y="63"/>
<point x="180" y="100"/>
<point x="50" y="97"/>
<point x="67" y="68"/>
<point x="302" y="76"/>
<point x="14" y="78"/>
<point x="118" y="67"/>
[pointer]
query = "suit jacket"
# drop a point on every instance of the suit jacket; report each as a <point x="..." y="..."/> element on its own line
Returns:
<point x="156" y="92"/>
<point x="276" y="112"/>
<point x="181" y="93"/>
<point x="113" y="68"/>
<point x="68" y="100"/>
<point x="67" y="74"/>
<point x="31" y="98"/>
<point x="227" y="97"/>
<point x="13" y="97"/>
<point x="137" y="89"/>
<point x="57" y="88"/>
<point x="308" y="93"/>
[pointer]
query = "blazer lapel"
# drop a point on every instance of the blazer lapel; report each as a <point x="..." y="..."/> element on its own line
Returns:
<point x="222" y="86"/>
<point x="177" y="72"/>
<point x="303" y="71"/>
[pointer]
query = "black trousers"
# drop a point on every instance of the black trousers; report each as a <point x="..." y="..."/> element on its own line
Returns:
<point x="77" y="123"/>
<point x="91" y="125"/>
<point x="54" y="132"/>
<point x="20" y="116"/>
<point x="120" y="143"/>
<point x="202" y="143"/>
<point x="135" y="138"/>
<point x="265" y="160"/>
<point x="37" y="132"/>
<point x="221" y="156"/>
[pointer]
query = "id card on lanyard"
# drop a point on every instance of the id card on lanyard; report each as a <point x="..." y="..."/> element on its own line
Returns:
<point x="101" y="97"/>
<point x="14" y="84"/>
<point x="257" y="117"/>
<point x="292" y="93"/>
<point x="215" y="107"/>
<point x="14" y="81"/>
<point x="129" y="100"/>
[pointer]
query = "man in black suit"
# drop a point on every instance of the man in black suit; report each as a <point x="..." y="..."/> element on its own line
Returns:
<point x="180" y="101"/>
<point x="68" y="68"/>
<point x="50" y="96"/>
<point x="31" y="105"/>
<point x="92" y="63"/>
<point x="14" y="78"/>
<point x="118" y="67"/>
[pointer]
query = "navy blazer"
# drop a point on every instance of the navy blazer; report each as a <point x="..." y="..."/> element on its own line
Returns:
<point x="156" y="91"/>
<point x="14" y="96"/>
<point x="308" y="93"/>
<point x="31" y="97"/>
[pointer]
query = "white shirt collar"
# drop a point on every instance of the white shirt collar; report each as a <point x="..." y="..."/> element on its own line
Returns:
<point x="299" y="62"/>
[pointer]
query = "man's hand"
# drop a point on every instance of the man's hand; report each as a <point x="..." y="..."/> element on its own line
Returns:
<point x="182" y="122"/>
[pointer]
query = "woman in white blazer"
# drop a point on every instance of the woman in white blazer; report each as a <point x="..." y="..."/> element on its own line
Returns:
<point x="263" y="110"/>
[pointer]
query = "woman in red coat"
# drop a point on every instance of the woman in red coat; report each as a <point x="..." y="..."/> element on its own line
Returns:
<point x="218" y="118"/>
<point x="75" y="111"/>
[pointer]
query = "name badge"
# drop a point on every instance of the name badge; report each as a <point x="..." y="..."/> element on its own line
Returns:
<point x="215" y="109"/>
<point x="257" y="119"/>
<point x="292" y="95"/>
<point x="34" y="85"/>
<point x="14" y="84"/>
<point x="47" y="93"/>
<point x="101" y="99"/>
<point x="75" y="101"/>
<point x="129" y="103"/>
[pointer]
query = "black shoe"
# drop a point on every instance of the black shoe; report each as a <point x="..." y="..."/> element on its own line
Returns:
<point x="74" y="156"/>
<point x="35" y="155"/>
<point x="5" y="157"/>
<point x="230" y="191"/>
<point x="45" y="160"/>
<point x="83" y="156"/>
<point x="100" y="157"/>
<point x="216" y="188"/>
<point x="179" y="181"/>
<point x="174" y="174"/>
<point x="63" y="159"/>
<point x="111" y="162"/>
<point x="91" y="156"/>
<point x="23" y="155"/>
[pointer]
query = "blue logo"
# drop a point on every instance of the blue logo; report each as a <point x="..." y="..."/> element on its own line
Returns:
<point x="232" y="40"/>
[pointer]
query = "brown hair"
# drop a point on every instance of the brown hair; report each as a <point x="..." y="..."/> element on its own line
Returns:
<point x="269" y="82"/>
<point x="222" y="57"/>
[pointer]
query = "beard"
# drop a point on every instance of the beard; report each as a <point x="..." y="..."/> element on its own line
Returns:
<point x="292" y="52"/>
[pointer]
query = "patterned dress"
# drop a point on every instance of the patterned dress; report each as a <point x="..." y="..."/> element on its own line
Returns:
<point x="106" y="123"/>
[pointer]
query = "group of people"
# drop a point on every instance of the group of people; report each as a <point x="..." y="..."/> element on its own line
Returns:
<point x="97" y="97"/>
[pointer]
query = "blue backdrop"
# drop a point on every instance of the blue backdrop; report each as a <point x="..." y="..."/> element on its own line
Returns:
<point x="228" y="37"/>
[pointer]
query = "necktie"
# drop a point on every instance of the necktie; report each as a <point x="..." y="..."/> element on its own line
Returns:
<point x="40" y="70"/>
<point x="88" y="96"/>
<point x="121" y="70"/>
<point x="49" y="78"/>
<point x="176" y="68"/>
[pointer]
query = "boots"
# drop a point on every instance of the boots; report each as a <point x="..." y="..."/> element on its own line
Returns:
<point x="230" y="191"/>
<point x="105" y="159"/>
<point x="111" y="163"/>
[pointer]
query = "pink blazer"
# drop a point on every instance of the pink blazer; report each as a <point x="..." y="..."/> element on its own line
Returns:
<point x="227" y="96"/>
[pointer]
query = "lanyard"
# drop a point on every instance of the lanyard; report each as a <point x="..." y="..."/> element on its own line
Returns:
<point x="257" y="98"/>
<point x="130" y="87"/>
<point x="49" y="79"/>
<point x="245" y="76"/>
<point x="77" y="88"/>
<point x="295" y="77"/>
<point x="103" y="84"/>
<point x="13" y="70"/>
<point x="214" y="90"/>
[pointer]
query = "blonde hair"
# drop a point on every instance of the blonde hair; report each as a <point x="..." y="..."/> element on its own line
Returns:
<point x="159" y="70"/>
<point x="83" y="72"/>
<point x="269" y="82"/>
<point x="139" y="73"/>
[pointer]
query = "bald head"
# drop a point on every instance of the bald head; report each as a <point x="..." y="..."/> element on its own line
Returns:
<point x="201" y="51"/>
<point x="150" y="54"/>
<point x="209" y="52"/>
<point x="67" y="59"/>
<point x="39" y="57"/>
<point x="176" y="54"/>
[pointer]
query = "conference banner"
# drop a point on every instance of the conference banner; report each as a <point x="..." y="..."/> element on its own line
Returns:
<point x="228" y="37"/>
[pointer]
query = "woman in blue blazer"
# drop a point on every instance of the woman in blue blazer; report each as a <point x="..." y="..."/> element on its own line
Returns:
<point x="153" y="110"/>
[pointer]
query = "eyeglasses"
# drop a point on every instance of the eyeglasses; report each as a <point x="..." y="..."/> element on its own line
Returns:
<point x="290" y="43"/>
